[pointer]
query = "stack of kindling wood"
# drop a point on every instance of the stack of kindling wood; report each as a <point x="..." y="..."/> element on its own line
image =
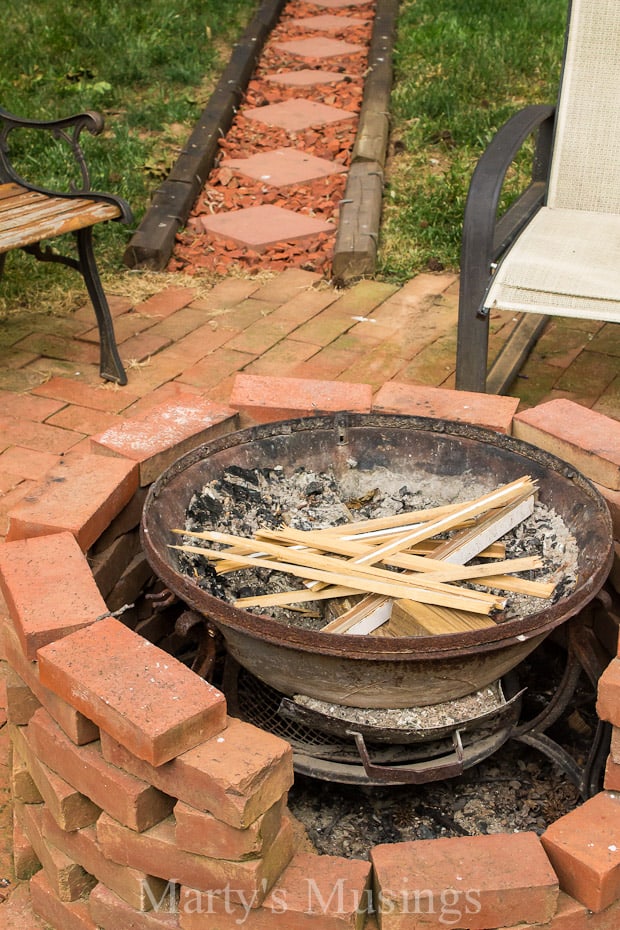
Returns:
<point x="401" y="573"/>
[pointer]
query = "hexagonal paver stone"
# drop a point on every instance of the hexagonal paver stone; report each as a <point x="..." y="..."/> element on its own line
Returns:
<point x="284" y="166"/>
<point x="319" y="48"/>
<point x="329" y="23"/>
<point x="294" y="115"/>
<point x="259" y="227"/>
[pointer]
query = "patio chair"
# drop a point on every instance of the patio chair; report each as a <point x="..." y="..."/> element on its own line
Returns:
<point x="556" y="250"/>
<point x="31" y="215"/>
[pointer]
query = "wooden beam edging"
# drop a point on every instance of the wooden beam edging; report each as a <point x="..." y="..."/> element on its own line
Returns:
<point x="152" y="243"/>
<point x="355" y="251"/>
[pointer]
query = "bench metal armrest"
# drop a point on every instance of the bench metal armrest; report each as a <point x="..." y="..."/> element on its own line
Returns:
<point x="68" y="130"/>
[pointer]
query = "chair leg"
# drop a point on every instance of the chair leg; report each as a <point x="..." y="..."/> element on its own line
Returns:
<point x="110" y="366"/>
<point x="472" y="347"/>
<point x="473" y="326"/>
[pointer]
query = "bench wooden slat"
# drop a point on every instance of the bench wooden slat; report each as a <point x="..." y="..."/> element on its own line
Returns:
<point x="27" y="217"/>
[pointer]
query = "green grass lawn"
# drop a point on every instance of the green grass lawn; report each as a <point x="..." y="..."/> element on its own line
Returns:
<point x="462" y="67"/>
<point x="148" y="65"/>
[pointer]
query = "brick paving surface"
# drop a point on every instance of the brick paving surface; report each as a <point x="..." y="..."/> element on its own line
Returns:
<point x="393" y="341"/>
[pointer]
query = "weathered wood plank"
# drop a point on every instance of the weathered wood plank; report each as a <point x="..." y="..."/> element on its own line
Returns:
<point x="355" y="250"/>
<point x="26" y="218"/>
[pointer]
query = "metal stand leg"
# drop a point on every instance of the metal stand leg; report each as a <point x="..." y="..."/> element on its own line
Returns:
<point x="581" y="656"/>
<point x="110" y="367"/>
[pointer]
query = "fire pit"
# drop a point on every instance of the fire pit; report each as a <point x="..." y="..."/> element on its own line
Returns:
<point x="381" y="672"/>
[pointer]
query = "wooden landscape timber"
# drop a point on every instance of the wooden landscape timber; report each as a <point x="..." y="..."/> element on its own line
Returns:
<point x="403" y="593"/>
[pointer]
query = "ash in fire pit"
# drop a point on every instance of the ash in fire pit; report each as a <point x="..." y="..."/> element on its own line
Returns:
<point x="242" y="501"/>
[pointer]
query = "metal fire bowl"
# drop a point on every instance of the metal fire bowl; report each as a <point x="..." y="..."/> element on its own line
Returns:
<point x="369" y="671"/>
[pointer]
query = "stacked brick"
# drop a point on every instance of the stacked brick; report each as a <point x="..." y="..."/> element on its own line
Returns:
<point x="139" y="804"/>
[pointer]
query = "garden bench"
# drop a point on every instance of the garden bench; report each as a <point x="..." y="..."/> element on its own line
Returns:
<point x="32" y="215"/>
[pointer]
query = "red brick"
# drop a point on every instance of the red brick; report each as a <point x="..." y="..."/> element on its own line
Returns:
<point x="156" y="852"/>
<point x="128" y="519"/>
<point x="141" y="347"/>
<point x="83" y="419"/>
<point x="586" y="439"/>
<point x="166" y="302"/>
<point x="131" y="583"/>
<point x="237" y="776"/>
<point x="21" y="784"/>
<point x="202" y="342"/>
<point x="69" y="808"/>
<point x="488" y="410"/>
<point x="472" y="882"/>
<point x="63" y="915"/>
<point x="51" y="439"/>
<point x="81" y="495"/>
<point x="11" y="499"/>
<point x="112" y="913"/>
<point x="103" y="397"/>
<point x="608" y="701"/>
<point x="18" y="909"/>
<point x="118" y="306"/>
<point x="570" y="915"/>
<point x="25" y="861"/>
<point x="144" y="698"/>
<point x="29" y="407"/>
<point x="208" y="372"/>
<point x="612" y="775"/>
<point x="267" y="399"/>
<point x="8" y="482"/>
<point x="68" y="879"/>
<point x="226" y="293"/>
<point x="139" y="890"/>
<point x="21" y="701"/>
<point x="322" y="892"/>
<point x="161" y="395"/>
<point x="109" y="564"/>
<point x="27" y="463"/>
<point x="160" y="436"/>
<point x="77" y="727"/>
<point x="290" y="285"/>
<point x="614" y="575"/>
<point x="584" y="850"/>
<point x="49" y="589"/>
<point x="134" y="803"/>
<point x="612" y="499"/>
<point x="202" y="833"/>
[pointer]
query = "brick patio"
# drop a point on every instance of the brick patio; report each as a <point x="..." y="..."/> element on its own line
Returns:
<point x="223" y="354"/>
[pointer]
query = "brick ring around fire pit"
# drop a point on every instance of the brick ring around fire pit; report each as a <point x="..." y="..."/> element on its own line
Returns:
<point x="128" y="775"/>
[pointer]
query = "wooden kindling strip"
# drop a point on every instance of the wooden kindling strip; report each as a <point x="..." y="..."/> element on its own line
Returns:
<point x="316" y="560"/>
<point x="371" y="583"/>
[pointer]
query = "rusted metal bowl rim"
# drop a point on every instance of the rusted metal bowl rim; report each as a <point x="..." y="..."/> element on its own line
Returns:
<point x="223" y="615"/>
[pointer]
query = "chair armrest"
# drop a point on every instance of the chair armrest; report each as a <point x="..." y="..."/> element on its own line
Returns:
<point x="68" y="130"/>
<point x="479" y="245"/>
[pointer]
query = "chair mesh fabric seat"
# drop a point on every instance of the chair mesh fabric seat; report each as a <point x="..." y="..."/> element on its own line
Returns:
<point x="565" y="263"/>
<point x="567" y="260"/>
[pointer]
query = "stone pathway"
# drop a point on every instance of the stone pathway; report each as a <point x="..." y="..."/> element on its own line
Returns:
<point x="273" y="199"/>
